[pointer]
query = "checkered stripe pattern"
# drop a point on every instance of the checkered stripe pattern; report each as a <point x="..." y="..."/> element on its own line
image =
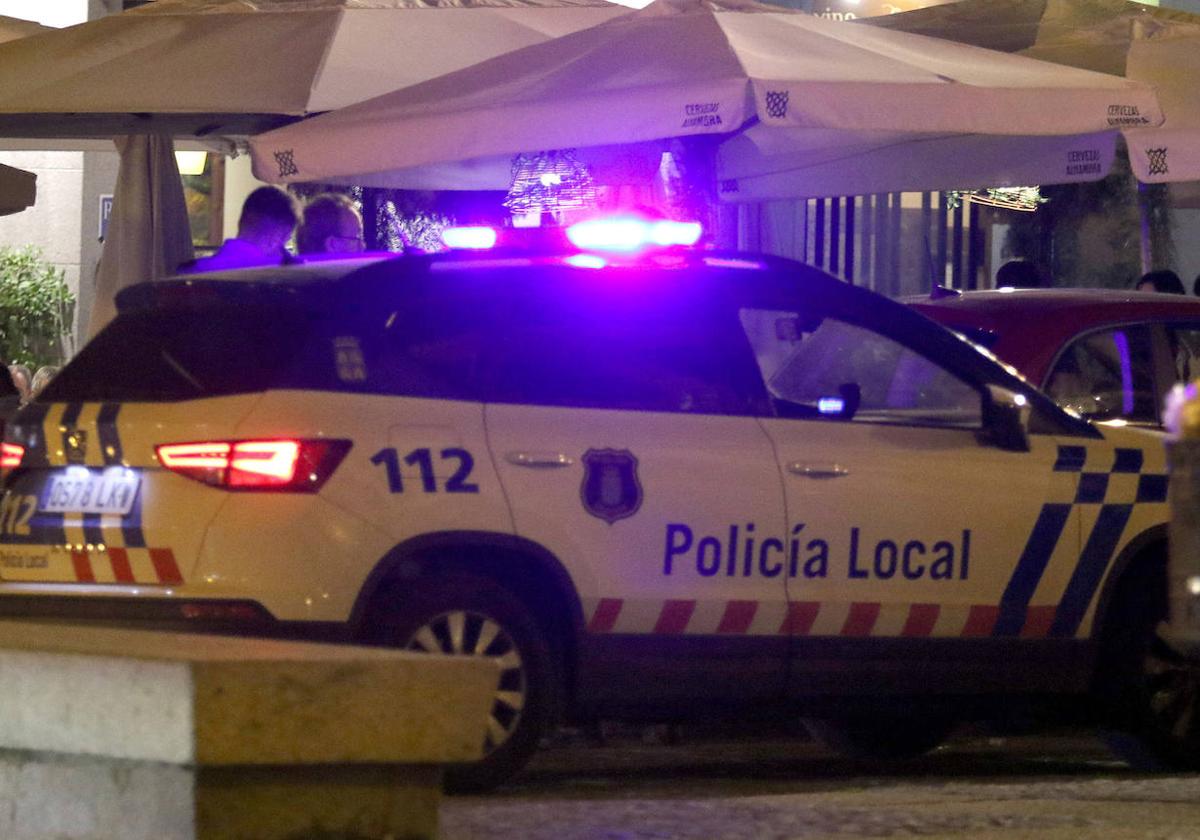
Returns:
<point x="1105" y="494"/>
<point x="798" y="618"/>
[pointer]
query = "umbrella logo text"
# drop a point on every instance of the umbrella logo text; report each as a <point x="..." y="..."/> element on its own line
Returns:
<point x="287" y="163"/>
<point x="1157" y="158"/>
<point x="777" y="104"/>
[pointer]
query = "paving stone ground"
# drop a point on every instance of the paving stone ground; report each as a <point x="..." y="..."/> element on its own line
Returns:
<point x="754" y="789"/>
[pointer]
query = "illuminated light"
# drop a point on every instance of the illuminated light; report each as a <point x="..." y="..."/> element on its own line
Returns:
<point x="550" y="179"/>
<point x="1116" y="422"/>
<point x="219" y="612"/>
<point x="291" y="465"/>
<point x="254" y="462"/>
<point x="667" y="233"/>
<point x="631" y="234"/>
<point x="831" y="405"/>
<point x="1008" y="290"/>
<point x="11" y="455"/>
<point x="1020" y="400"/>
<point x="1193" y="585"/>
<point x="476" y="238"/>
<point x="586" y="261"/>
<point x="608" y="234"/>
<point x="191" y="163"/>
<point x="194" y="456"/>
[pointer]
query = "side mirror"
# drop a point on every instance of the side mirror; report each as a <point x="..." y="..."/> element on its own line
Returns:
<point x="1006" y="419"/>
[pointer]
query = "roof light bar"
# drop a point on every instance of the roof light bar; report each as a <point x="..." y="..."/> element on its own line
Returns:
<point x="474" y="238"/>
<point x="631" y="234"/>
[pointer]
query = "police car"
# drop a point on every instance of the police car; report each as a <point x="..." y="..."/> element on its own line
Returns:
<point x="651" y="481"/>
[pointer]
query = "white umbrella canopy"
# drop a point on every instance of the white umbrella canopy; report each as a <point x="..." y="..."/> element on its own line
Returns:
<point x="18" y="188"/>
<point x="780" y="88"/>
<point x="230" y="67"/>
<point x="1089" y="34"/>
<point x="12" y="28"/>
<point x="1160" y="47"/>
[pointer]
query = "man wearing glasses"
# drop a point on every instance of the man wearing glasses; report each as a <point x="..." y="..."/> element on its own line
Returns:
<point x="331" y="225"/>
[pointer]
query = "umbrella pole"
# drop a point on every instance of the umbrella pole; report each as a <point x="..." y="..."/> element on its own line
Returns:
<point x="1144" y="227"/>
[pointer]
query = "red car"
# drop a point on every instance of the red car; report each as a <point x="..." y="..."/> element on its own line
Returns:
<point x="1106" y="354"/>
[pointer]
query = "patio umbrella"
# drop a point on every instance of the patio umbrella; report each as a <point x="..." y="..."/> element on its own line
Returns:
<point x="773" y="88"/>
<point x="18" y="188"/>
<point x="12" y="28"/>
<point x="229" y="67"/>
<point x="1157" y="46"/>
<point x="148" y="234"/>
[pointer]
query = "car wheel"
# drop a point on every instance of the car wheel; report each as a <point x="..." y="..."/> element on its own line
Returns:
<point x="470" y="615"/>
<point x="1153" y="692"/>
<point x="881" y="737"/>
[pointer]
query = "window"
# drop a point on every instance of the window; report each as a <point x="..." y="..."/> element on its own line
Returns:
<point x="1185" y="350"/>
<point x="824" y="367"/>
<point x="625" y="354"/>
<point x="1107" y="374"/>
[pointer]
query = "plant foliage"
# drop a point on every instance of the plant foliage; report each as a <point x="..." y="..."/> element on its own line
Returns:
<point x="36" y="309"/>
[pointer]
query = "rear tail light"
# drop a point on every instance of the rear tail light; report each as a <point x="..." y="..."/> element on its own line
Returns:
<point x="295" y="466"/>
<point x="11" y="455"/>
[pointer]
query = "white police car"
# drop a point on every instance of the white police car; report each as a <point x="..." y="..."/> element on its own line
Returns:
<point x="662" y="484"/>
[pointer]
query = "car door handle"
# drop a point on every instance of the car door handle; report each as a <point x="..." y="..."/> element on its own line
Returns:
<point x="818" y="470"/>
<point x="539" y="460"/>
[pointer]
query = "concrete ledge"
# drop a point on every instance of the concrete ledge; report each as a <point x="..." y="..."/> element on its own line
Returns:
<point x="192" y="736"/>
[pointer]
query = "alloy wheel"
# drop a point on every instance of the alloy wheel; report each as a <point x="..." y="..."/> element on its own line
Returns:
<point x="466" y="633"/>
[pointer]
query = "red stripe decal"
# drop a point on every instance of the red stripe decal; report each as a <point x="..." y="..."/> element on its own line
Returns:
<point x="675" y="616"/>
<point x="861" y="620"/>
<point x="83" y="567"/>
<point x="737" y="617"/>
<point x="800" y="617"/>
<point x="1038" y="621"/>
<point x="164" y="565"/>
<point x="120" y="565"/>
<point x="921" y="619"/>
<point x="981" y="620"/>
<point x="604" y="619"/>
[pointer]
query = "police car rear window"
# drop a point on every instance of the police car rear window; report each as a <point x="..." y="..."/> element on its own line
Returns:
<point x="167" y="355"/>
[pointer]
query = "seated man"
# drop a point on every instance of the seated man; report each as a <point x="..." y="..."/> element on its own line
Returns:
<point x="268" y="218"/>
<point x="331" y="225"/>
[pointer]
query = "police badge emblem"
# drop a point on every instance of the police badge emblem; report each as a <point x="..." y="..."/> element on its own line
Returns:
<point x="610" y="489"/>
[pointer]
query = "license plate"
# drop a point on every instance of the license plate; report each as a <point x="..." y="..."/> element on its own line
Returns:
<point x="80" y="490"/>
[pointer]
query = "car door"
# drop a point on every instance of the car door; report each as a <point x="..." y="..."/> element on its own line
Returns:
<point x="905" y="526"/>
<point x="623" y="433"/>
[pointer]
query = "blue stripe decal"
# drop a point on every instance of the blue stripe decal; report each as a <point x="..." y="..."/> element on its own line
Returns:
<point x="1152" y="488"/>
<point x="92" y="532"/>
<point x="106" y="431"/>
<point x="1070" y="458"/>
<point x="1128" y="461"/>
<point x="1088" y="573"/>
<point x="1092" y="487"/>
<point x="1038" y="549"/>
<point x="114" y="453"/>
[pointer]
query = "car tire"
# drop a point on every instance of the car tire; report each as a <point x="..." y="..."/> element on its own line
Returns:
<point x="881" y="737"/>
<point x="462" y="614"/>
<point x="1151" y="692"/>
